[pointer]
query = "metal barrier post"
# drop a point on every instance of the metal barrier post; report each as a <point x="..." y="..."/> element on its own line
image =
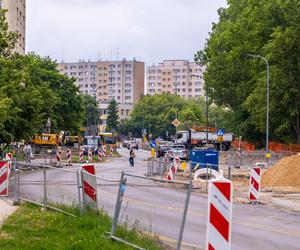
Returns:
<point x="79" y="186"/>
<point x="45" y="187"/>
<point x="187" y="201"/>
<point x="18" y="188"/>
<point x="229" y="172"/>
<point x="118" y="204"/>
<point x="206" y="188"/>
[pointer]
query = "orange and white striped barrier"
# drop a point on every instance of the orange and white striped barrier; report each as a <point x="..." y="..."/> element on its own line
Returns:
<point x="89" y="184"/>
<point x="58" y="158"/>
<point x="81" y="155"/>
<point x="219" y="214"/>
<point x="100" y="157"/>
<point x="69" y="156"/>
<point x="90" y="155"/>
<point x="4" y="176"/>
<point x="254" y="188"/>
<point x="173" y="169"/>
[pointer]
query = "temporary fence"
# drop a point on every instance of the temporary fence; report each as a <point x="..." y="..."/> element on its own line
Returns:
<point x="243" y="159"/>
<point x="145" y="204"/>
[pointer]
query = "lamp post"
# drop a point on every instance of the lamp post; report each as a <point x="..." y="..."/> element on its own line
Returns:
<point x="268" y="97"/>
<point x="206" y="111"/>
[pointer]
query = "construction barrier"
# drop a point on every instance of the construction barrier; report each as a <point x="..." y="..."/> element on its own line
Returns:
<point x="104" y="151"/>
<point x="69" y="156"/>
<point x="100" y="157"/>
<point x="81" y="155"/>
<point x="89" y="183"/>
<point x="254" y="188"/>
<point x="9" y="158"/>
<point x="58" y="158"/>
<point x="111" y="149"/>
<point x="219" y="214"/>
<point x="90" y="155"/>
<point x="173" y="169"/>
<point x="279" y="147"/>
<point x="4" y="175"/>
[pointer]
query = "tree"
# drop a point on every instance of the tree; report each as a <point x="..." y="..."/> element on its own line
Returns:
<point x="112" y="117"/>
<point x="91" y="111"/>
<point x="33" y="91"/>
<point x="8" y="39"/>
<point x="268" y="28"/>
<point x="156" y="113"/>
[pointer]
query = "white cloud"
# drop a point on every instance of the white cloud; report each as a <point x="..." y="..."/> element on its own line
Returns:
<point x="150" y="30"/>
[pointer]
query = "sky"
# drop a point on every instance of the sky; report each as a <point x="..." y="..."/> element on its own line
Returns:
<point x="147" y="30"/>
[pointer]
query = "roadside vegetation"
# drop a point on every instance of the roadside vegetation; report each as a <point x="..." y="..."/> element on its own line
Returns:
<point x="31" y="228"/>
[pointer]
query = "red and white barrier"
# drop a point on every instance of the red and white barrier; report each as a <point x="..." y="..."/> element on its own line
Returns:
<point x="89" y="184"/>
<point x="9" y="158"/>
<point x="81" y="155"/>
<point x="4" y="175"/>
<point x="104" y="151"/>
<point x="100" y="157"/>
<point x="173" y="169"/>
<point x="58" y="157"/>
<point x="111" y="149"/>
<point x="69" y="156"/>
<point x="219" y="214"/>
<point x="90" y="155"/>
<point x="254" y="188"/>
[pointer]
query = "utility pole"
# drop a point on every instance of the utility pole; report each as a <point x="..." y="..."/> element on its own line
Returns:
<point x="268" y="98"/>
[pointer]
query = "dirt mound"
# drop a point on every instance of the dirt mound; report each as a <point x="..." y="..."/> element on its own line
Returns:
<point x="285" y="173"/>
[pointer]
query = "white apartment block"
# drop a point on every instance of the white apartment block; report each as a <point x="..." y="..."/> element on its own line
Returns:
<point x="107" y="80"/>
<point x="175" y="77"/>
<point x="16" y="18"/>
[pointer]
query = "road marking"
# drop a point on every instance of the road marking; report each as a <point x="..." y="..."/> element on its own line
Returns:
<point x="176" y="209"/>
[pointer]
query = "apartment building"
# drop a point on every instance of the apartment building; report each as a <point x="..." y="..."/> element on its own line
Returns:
<point x="176" y="77"/>
<point x="106" y="80"/>
<point x="16" y="18"/>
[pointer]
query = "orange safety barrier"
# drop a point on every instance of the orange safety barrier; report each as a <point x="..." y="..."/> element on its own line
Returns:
<point x="245" y="146"/>
<point x="279" y="147"/>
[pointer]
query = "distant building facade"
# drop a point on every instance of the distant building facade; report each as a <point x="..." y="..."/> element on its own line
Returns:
<point x="176" y="77"/>
<point x="107" y="80"/>
<point x="16" y="18"/>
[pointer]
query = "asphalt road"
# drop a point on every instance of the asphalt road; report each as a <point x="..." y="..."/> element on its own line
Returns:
<point x="158" y="208"/>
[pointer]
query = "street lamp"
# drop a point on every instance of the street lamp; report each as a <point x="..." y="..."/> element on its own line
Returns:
<point x="206" y="105"/>
<point x="268" y="97"/>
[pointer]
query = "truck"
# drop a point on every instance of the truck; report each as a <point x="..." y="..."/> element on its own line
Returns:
<point x="192" y="138"/>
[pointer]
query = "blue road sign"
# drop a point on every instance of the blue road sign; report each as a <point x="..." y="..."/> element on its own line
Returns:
<point x="153" y="144"/>
<point x="220" y="132"/>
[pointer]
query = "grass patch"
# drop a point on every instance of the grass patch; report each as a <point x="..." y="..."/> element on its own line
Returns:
<point x="31" y="228"/>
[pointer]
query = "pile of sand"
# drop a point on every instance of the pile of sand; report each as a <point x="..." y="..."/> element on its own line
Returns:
<point x="285" y="173"/>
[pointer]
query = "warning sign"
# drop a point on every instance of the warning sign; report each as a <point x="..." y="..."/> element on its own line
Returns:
<point x="176" y="123"/>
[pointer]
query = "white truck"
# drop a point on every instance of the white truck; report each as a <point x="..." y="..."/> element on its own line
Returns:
<point x="191" y="138"/>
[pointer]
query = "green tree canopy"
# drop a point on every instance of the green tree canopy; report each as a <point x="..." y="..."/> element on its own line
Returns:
<point x="158" y="111"/>
<point x="91" y="111"/>
<point x="32" y="91"/>
<point x="269" y="28"/>
<point x="112" y="116"/>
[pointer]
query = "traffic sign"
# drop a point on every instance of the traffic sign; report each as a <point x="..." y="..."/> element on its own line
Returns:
<point x="153" y="144"/>
<point x="176" y="123"/>
<point x="220" y="132"/>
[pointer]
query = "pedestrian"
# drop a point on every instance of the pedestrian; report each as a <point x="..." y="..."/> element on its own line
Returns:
<point x="27" y="151"/>
<point x="131" y="157"/>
